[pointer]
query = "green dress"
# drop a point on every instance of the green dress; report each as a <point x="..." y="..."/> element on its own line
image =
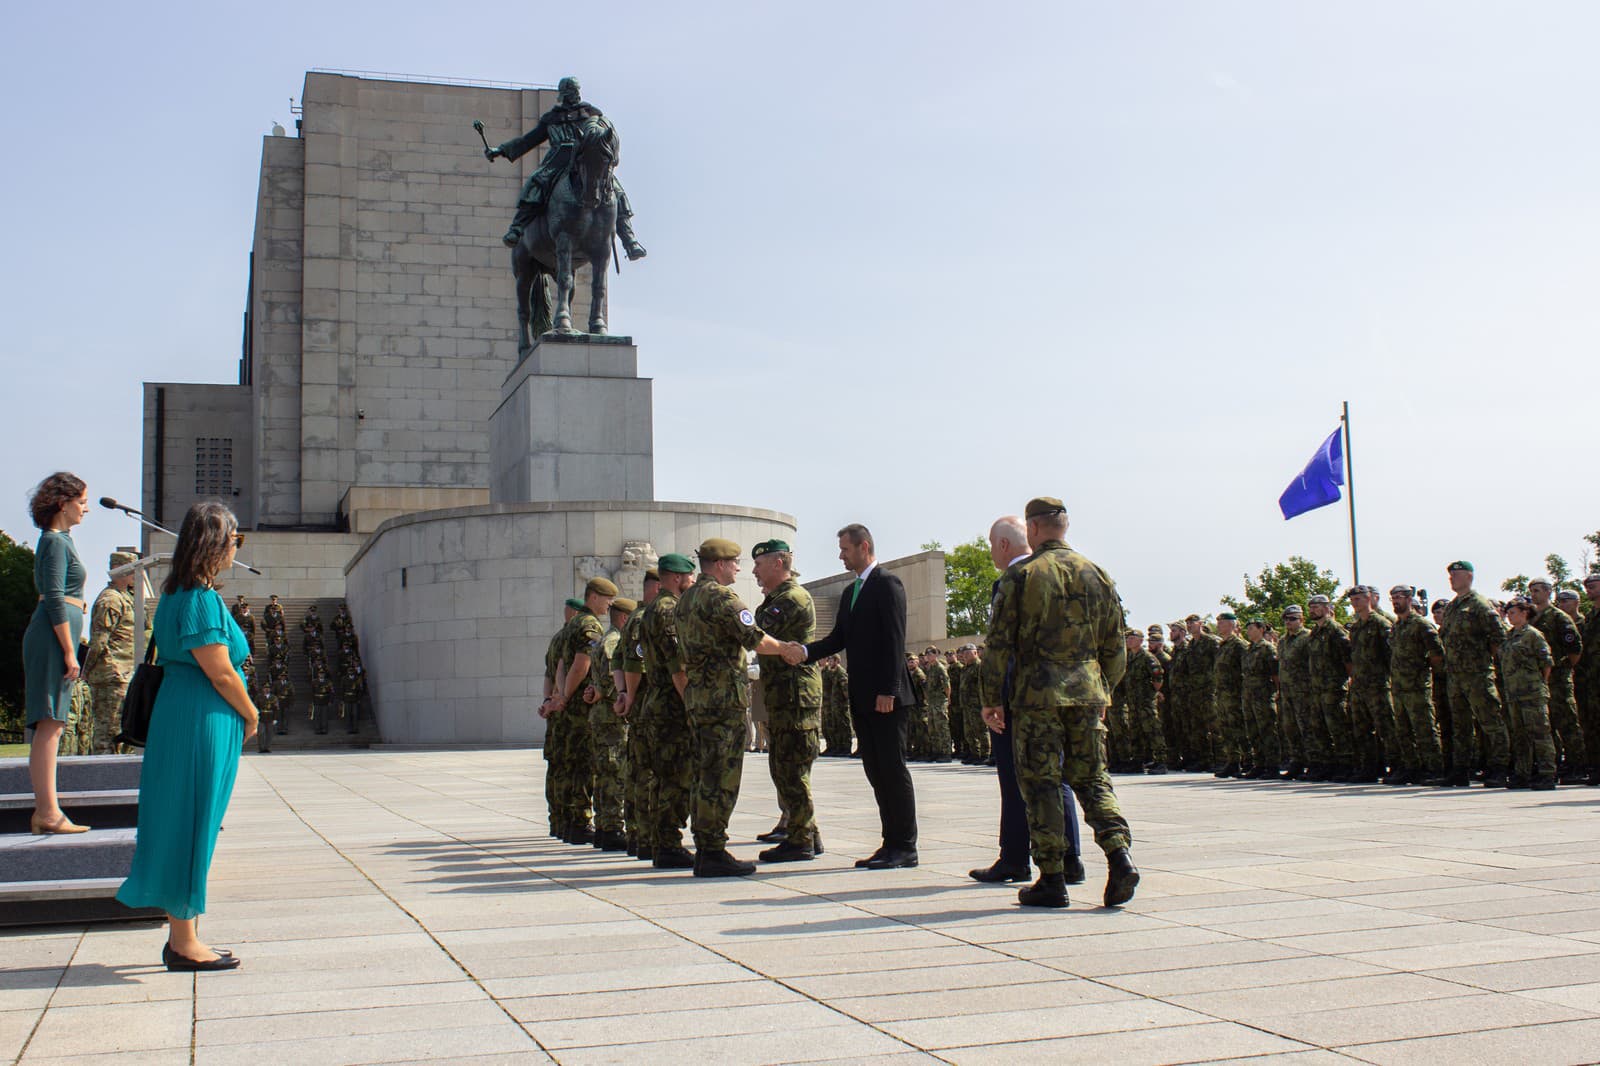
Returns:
<point x="57" y="575"/>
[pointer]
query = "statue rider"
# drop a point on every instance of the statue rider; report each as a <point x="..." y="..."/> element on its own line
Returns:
<point x="562" y="127"/>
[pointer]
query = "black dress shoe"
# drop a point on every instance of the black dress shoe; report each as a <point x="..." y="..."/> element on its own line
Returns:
<point x="1049" y="891"/>
<point x="1001" y="872"/>
<point x="1074" y="871"/>
<point x="892" y="859"/>
<point x="861" y="864"/>
<point x="788" y="851"/>
<point x="1121" y="879"/>
<point x="176" y="963"/>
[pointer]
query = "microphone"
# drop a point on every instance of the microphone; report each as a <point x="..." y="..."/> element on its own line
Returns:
<point x="112" y="505"/>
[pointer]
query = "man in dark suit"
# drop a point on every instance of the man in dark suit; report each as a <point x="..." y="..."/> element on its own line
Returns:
<point x="870" y="628"/>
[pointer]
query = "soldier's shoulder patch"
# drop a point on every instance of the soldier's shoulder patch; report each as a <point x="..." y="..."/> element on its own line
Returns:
<point x="638" y="649"/>
<point x="746" y="617"/>
<point x="1570" y="636"/>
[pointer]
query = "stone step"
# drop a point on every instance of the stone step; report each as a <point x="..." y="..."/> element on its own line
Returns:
<point x="53" y="857"/>
<point x="77" y="773"/>
<point x="107" y="809"/>
<point x="70" y="902"/>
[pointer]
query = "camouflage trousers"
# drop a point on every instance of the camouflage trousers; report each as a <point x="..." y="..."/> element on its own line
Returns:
<point x="718" y="768"/>
<point x="1588" y="698"/>
<point x="554" y="738"/>
<point x="1261" y="727"/>
<point x="939" y="743"/>
<point x="76" y="734"/>
<point x="1227" y="724"/>
<point x="976" y="732"/>
<point x="640" y="780"/>
<point x="796" y="743"/>
<point x="105" y="699"/>
<point x="1564" y="719"/>
<point x="1474" y="702"/>
<point x="672" y="765"/>
<point x="1373" y="729"/>
<point x="608" y="743"/>
<point x="917" y="732"/>
<point x="1291" y="741"/>
<point x="1416" y="730"/>
<point x="836" y="730"/>
<point x="1334" y="717"/>
<point x="1202" y="732"/>
<point x="1533" y="751"/>
<point x="1146" y="741"/>
<point x="958" y="730"/>
<point x="1055" y="742"/>
<point x="576" y="786"/>
<point x="1116" y="737"/>
<point x="1441" y="711"/>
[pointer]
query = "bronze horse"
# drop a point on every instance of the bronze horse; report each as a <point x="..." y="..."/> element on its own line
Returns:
<point x="576" y="227"/>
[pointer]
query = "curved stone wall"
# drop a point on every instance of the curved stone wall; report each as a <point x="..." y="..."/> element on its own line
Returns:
<point x="455" y="607"/>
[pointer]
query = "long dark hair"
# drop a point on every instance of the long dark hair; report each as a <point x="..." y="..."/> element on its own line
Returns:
<point x="47" y="497"/>
<point x="203" y="542"/>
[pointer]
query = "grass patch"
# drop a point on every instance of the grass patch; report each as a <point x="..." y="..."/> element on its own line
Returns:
<point x="13" y="751"/>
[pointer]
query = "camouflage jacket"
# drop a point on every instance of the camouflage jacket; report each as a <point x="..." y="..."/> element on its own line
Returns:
<point x="971" y="694"/>
<point x="582" y="633"/>
<point x="1524" y="657"/>
<point x="1560" y="632"/>
<point x="663" y="654"/>
<point x="1329" y="656"/>
<point x="1228" y="670"/>
<point x="1057" y="629"/>
<point x="110" y="658"/>
<point x="1260" y="668"/>
<point x="1412" y="644"/>
<point x="1369" y="652"/>
<point x="630" y="649"/>
<point x="841" y="691"/>
<point x="1200" y="664"/>
<point x="787" y="613"/>
<point x="1589" y="665"/>
<point x="1294" y="661"/>
<point x="937" y="691"/>
<point x="1177" y="665"/>
<point x="1471" y="632"/>
<point x="552" y="651"/>
<point x="1142" y="679"/>
<point x="956" y="672"/>
<point x="601" y="653"/>
<point x="919" y="685"/>
<point x="716" y="629"/>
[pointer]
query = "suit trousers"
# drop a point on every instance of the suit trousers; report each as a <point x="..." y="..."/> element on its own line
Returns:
<point x="1015" y="840"/>
<point x="880" y="741"/>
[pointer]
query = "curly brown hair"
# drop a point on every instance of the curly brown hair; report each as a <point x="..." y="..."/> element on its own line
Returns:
<point x="47" y="497"/>
<point x="202" y="548"/>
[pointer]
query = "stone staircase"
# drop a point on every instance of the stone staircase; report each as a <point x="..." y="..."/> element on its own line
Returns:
<point x="50" y="880"/>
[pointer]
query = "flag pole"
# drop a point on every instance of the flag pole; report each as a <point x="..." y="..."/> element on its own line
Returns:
<point x="1350" y="494"/>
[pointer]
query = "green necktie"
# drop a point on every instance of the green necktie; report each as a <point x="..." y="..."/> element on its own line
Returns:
<point x="855" y="590"/>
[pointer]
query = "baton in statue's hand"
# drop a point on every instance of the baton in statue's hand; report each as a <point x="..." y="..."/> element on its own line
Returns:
<point x="487" y="151"/>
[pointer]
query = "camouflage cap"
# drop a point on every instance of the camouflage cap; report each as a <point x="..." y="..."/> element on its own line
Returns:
<point x="1258" y="622"/>
<point x="601" y="586"/>
<point x="122" y="559"/>
<point x="1043" y="507"/>
<point x="624" y="605"/>
<point x="1129" y="631"/>
<point x="1520" y="602"/>
<point x="575" y="603"/>
<point x="1459" y="564"/>
<point x="1155" y="629"/>
<point x="1403" y="590"/>
<point x="1439" y="605"/>
<point x="675" y="563"/>
<point x="1591" y="579"/>
<point x="767" y="547"/>
<point x="1355" y="590"/>
<point x="1293" y="611"/>
<point x="715" y="549"/>
<point x="930" y="650"/>
<point x="652" y="574"/>
<point x="1319" y="600"/>
<point x="1541" y="582"/>
<point x="1567" y="594"/>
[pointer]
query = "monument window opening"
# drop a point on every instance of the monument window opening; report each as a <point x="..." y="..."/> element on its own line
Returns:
<point x="213" y="466"/>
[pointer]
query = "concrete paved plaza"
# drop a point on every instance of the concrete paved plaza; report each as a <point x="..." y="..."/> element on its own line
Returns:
<point x="408" y="906"/>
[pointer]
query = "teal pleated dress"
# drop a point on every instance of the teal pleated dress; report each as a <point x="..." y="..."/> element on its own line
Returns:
<point x="190" y="758"/>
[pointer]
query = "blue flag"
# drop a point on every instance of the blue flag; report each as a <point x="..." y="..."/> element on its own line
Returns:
<point x="1318" y="484"/>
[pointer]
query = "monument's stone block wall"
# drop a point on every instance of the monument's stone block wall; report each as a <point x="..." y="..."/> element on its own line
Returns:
<point x="197" y="446"/>
<point x="302" y="566"/>
<point x="455" y="608"/>
<point x="274" y="310"/>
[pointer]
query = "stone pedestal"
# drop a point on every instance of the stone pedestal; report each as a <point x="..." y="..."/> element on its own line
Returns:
<point x="574" y="423"/>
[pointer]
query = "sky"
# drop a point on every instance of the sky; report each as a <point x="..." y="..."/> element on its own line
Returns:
<point x="912" y="264"/>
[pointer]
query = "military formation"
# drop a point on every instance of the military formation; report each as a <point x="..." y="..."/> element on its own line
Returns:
<point x="1406" y="693"/>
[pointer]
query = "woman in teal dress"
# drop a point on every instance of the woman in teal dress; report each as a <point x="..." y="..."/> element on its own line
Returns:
<point x="202" y="717"/>
<point x="50" y="644"/>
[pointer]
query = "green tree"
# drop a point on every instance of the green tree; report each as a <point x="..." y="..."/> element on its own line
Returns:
<point x="1517" y="586"/>
<point x="1278" y="586"/>
<point x="17" y="601"/>
<point x="1556" y="569"/>
<point x="969" y="577"/>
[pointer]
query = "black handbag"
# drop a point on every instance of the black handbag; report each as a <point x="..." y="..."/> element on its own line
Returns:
<point x="140" y="702"/>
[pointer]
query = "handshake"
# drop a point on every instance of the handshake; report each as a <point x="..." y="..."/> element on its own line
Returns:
<point x="792" y="653"/>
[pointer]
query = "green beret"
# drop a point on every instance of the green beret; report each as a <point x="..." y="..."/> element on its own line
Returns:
<point x="1044" y="506"/>
<point x="601" y="585"/>
<point x="716" y="549"/>
<point x="1227" y="616"/>
<point x="625" y="605"/>
<point x="675" y="563"/>
<point x="767" y="547"/>
<point x="575" y="603"/>
<point x="1460" y="564"/>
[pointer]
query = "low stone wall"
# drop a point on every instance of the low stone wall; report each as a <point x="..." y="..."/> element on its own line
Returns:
<point x="301" y="566"/>
<point x="455" y="607"/>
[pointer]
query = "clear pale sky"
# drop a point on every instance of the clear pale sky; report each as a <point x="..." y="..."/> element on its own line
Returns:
<point x="911" y="263"/>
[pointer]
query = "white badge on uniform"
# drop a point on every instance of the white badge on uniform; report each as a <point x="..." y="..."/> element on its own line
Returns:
<point x="747" y="618"/>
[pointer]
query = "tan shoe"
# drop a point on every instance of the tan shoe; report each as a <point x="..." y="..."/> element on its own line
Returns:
<point x="61" y="825"/>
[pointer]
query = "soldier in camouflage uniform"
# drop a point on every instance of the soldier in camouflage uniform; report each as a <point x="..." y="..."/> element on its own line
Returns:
<point x="793" y="698"/>
<point x="1176" y="705"/>
<point x="1200" y="665"/>
<point x="1156" y="641"/>
<point x="1227" y="717"/>
<point x="109" y="664"/>
<point x="608" y="732"/>
<point x="1141" y="686"/>
<point x="1371" y="703"/>
<point x="575" y="789"/>
<point x="972" y="726"/>
<point x="259" y="685"/>
<point x="1328" y="657"/>
<point x="1414" y="651"/>
<point x="1441" y="687"/>
<point x="917" y="713"/>
<point x="553" y="728"/>
<point x="671" y="743"/>
<point x="1586" y="678"/>
<point x="245" y="621"/>
<point x="1259" y="692"/>
<point x="1056" y="631"/>
<point x="937" y="694"/>
<point x="716" y="629"/>
<point x="836" y="728"/>
<point x="1525" y="665"/>
<point x="958" y="727"/>
<point x="629" y="660"/>
<point x="1471" y="633"/>
<point x="1566" y="645"/>
<point x="1295" y="698"/>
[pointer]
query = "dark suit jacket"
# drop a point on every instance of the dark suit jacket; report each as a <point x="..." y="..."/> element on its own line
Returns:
<point x="873" y="635"/>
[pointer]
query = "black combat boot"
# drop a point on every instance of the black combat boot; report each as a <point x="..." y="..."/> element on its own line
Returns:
<point x="775" y="834"/>
<point x="1516" y="780"/>
<point x="610" y="840"/>
<point x="1156" y="769"/>
<point x="1496" y="779"/>
<point x="580" y="834"/>
<point x="1400" y="775"/>
<point x="788" y="851"/>
<point x="646" y="853"/>
<point x="1049" y="891"/>
<point x="1073" y="869"/>
<point x="718" y="863"/>
<point x="1121" y="878"/>
<point x="1227" y="769"/>
<point x="1542" y="782"/>
<point x="816" y="841"/>
<point x="673" y="857"/>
